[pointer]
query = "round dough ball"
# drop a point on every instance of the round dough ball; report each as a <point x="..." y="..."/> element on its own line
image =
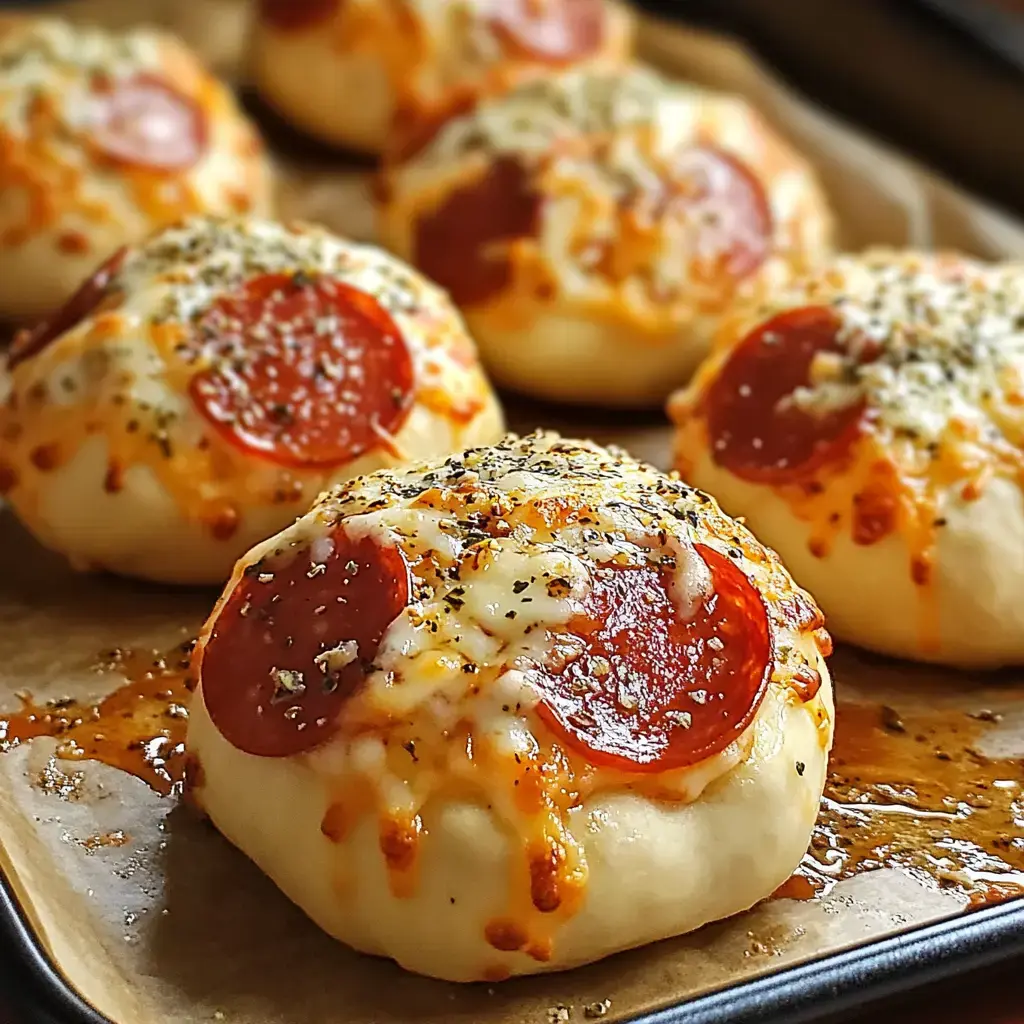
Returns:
<point x="351" y="72"/>
<point x="105" y="137"/>
<point x="594" y="228"/>
<point x="538" y="699"/>
<point x="867" y="422"/>
<point x="200" y="390"/>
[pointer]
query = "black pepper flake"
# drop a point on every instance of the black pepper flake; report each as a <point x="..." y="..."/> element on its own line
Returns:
<point x="519" y="586"/>
<point x="511" y="614"/>
<point x="800" y="768"/>
<point x="410" y="747"/>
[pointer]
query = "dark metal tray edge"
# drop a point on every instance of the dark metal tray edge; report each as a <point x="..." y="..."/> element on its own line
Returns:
<point x="829" y="986"/>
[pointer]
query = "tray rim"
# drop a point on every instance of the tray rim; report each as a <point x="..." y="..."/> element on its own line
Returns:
<point x="830" y="985"/>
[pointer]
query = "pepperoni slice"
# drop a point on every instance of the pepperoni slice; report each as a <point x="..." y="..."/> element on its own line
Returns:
<point x="295" y="15"/>
<point x="145" y="122"/>
<point x="554" y="31"/>
<point x="463" y="244"/>
<point x="292" y="644"/>
<point x="753" y="431"/>
<point x="86" y="300"/>
<point x="728" y="209"/>
<point x="303" y="371"/>
<point x="684" y="693"/>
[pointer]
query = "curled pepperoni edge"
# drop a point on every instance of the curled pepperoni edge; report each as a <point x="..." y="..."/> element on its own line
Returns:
<point x="242" y="707"/>
<point x="719" y="565"/>
<point x="88" y="297"/>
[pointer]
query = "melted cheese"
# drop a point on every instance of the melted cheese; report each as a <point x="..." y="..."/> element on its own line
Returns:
<point x="65" y="203"/>
<point x="405" y="59"/>
<point x="624" y="255"/>
<point x="36" y="52"/>
<point x="110" y="401"/>
<point x="933" y="347"/>
<point x="503" y="544"/>
<point x="949" y="335"/>
<point x="605" y="149"/>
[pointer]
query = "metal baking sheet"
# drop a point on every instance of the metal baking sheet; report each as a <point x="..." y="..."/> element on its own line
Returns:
<point x="117" y="900"/>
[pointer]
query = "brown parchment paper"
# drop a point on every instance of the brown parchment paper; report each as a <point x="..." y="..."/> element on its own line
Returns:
<point x="175" y="926"/>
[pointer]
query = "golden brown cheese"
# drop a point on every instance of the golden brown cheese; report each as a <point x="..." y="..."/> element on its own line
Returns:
<point x="521" y="558"/>
<point x="220" y="376"/>
<point x="870" y="398"/>
<point x="602" y="210"/>
<point x="104" y="137"/>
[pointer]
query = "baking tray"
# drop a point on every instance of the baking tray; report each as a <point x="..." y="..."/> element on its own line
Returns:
<point x="906" y="205"/>
<point x="830" y="987"/>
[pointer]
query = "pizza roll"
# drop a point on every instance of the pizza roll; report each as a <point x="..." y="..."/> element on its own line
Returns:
<point x="105" y="137"/>
<point x="594" y="227"/>
<point x="352" y="71"/>
<point x="200" y="390"/>
<point x="513" y="711"/>
<point x="867" y="421"/>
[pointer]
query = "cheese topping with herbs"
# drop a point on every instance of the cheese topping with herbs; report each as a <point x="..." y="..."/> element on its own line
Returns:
<point x="105" y="136"/>
<point x="646" y="208"/>
<point x="411" y="60"/>
<point x="105" y="422"/>
<point x="950" y="340"/>
<point x="504" y="546"/>
<point x="925" y="367"/>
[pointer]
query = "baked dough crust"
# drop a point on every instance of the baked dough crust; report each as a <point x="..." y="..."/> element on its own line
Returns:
<point x="393" y="64"/>
<point x="108" y="460"/>
<point x="650" y="856"/>
<point x="940" y="443"/>
<point x="65" y="203"/>
<point x="656" y="207"/>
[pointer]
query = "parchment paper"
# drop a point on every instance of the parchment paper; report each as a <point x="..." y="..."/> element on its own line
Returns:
<point x="174" y="925"/>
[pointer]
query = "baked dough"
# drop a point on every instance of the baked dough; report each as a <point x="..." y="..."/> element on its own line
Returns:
<point x="867" y="422"/>
<point x="200" y="390"/>
<point x="352" y="72"/>
<point x="514" y="711"/>
<point x="595" y="226"/>
<point x="105" y="137"/>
